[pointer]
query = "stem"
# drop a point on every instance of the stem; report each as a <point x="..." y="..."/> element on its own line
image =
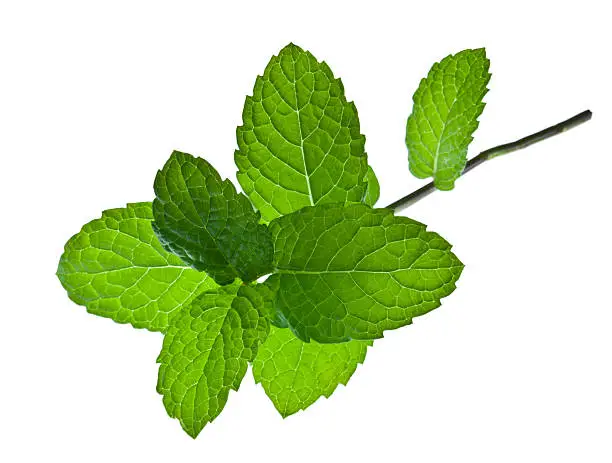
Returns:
<point x="500" y="150"/>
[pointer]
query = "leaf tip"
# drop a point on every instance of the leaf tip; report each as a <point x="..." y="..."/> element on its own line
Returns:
<point x="291" y="47"/>
<point x="191" y="431"/>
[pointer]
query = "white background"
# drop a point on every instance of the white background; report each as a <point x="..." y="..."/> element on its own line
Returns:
<point x="515" y="365"/>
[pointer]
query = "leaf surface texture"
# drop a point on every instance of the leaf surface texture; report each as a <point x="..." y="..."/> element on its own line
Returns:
<point x="352" y="272"/>
<point x="445" y="114"/>
<point x="300" y="142"/>
<point x="117" y="268"/>
<point x="205" y="222"/>
<point x="295" y="374"/>
<point x="205" y="354"/>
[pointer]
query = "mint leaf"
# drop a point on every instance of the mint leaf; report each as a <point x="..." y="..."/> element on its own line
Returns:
<point x="372" y="192"/>
<point x="205" y="222"/>
<point x="205" y="354"/>
<point x="116" y="268"/>
<point x="445" y="115"/>
<point x="352" y="272"/>
<point x="295" y="374"/>
<point x="300" y="142"/>
<point x="266" y="294"/>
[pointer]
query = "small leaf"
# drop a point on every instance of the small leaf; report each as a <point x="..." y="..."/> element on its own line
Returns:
<point x="352" y="272"/>
<point x="445" y="115"/>
<point x="205" y="222"/>
<point x="295" y="374"/>
<point x="300" y="142"/>
<point x="116" y="267"/>
<point x="372" y="192"/>
<point x="205" y="354"/>
<point x="266" y="291"/>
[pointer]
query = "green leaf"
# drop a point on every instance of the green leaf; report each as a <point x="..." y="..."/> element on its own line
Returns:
<point x="295" y="374"/>
<point x="205" y="354"/>
<point x="352" y="272"/>
<point x="116" y="268"/>
<point x="266" y="291"/>
<point x="300" y="142"/>
<point x="205" y="222"/>
<point x="445" y="115"/>
<point x="372" y="192"/>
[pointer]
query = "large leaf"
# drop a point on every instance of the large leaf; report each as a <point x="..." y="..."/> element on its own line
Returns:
<point x="295" y="374"/>
<point x="352" y="272"/>
<point x="205" y="354"/>
<point x="300" y="142"/>
<point x="445" y="115"/>
<point x="116" y="268"/>
<point x="205" y="222"/>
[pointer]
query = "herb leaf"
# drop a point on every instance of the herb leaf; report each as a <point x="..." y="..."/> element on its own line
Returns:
<point x="300" y="142"/>
<point x="205" y="354"/>
<point x="352" y="272"/>
<point x="205" y="222"/>
<point x="267" y="292"/>
<point x="445" y="115"/>
<point x="295" y="374"/>
<point x="116" y="268"/>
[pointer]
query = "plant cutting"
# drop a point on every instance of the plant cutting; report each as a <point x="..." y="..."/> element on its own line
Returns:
<point x="300" y="273"/>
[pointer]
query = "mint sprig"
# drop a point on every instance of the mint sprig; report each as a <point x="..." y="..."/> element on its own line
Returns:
<point x="299" y="275"/>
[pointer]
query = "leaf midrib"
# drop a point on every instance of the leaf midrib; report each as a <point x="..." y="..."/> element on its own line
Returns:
<point x="299" y="121"/>
<point x="444" y="127"/>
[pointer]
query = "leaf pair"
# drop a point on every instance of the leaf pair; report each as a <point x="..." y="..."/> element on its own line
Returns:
<point x="342" y="272"/>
